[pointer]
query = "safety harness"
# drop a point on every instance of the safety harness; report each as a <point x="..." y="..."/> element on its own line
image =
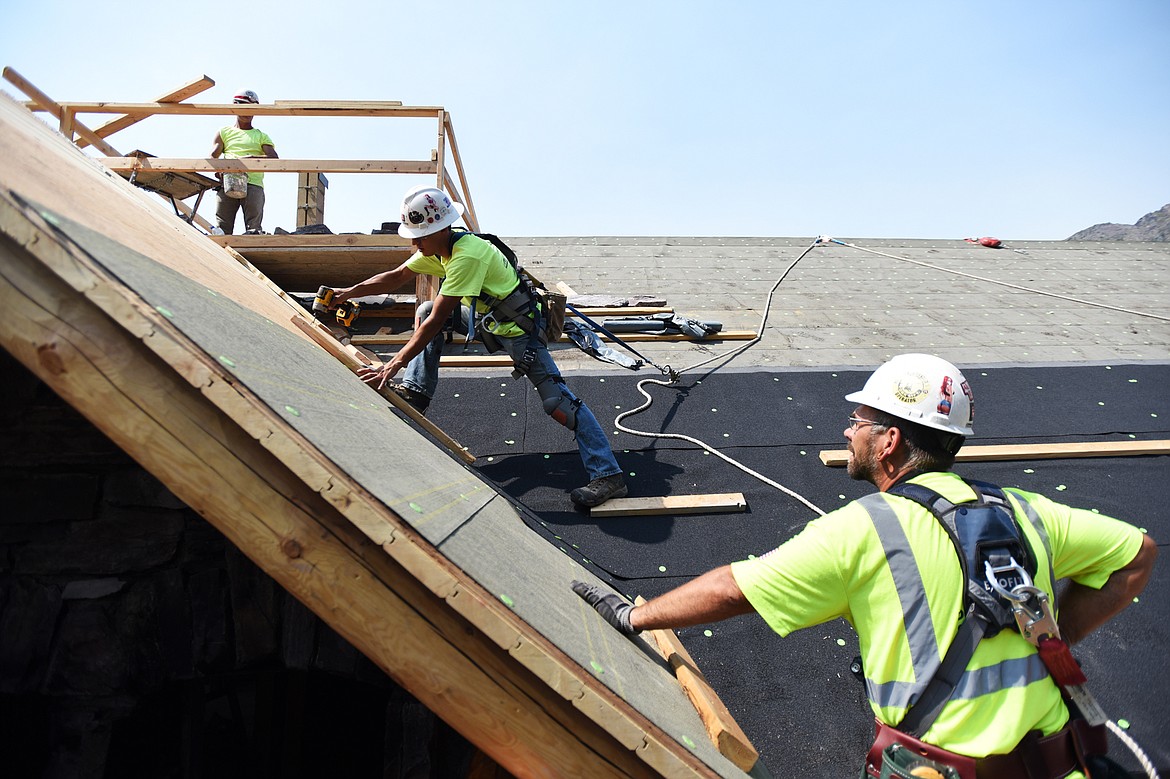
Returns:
<point x="527" y="308"/>
<point x="996" y="561"/>
<point x="999" y="567"/>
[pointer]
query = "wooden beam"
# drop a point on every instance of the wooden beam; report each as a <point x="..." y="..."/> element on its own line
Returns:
<point x="190" y="89"/>
<point x="348" y="105"/>
<point x="724" y="732"/>
<point x="243" y="243"/>
<point x="459" y="169"/>
<point x="243" y="109"/>
<point x="840" y="457"/>
<point x="725" y="335"/>
<point x="475" y="361"/>
<point x="671" y="504"/>
<point x="266" y="165"/>
<point x="69" y="123"/>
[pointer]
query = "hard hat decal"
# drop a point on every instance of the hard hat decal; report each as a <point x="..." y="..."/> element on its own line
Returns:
<point x="963" y="385"/>
<point x="946" y="394"/>
<point x="910" y="388"/>
<point x="415" y="218"/>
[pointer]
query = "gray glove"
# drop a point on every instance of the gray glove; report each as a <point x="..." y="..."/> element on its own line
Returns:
<point x="612" y="607"/>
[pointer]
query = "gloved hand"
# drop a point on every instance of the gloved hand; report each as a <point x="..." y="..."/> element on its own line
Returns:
<point x="613" y="607"/>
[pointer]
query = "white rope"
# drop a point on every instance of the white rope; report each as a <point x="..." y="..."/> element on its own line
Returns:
<point x="1125" y="738"/>
<point x="996" y="281"/>
<point x="728" y="356"/>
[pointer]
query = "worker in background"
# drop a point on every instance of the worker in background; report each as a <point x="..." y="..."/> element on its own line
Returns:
<point x="476" y="273"/>
<point x="887" y="565"/>
<point x="238" y="142"/>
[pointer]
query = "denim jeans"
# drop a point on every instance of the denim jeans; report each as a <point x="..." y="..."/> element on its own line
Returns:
<point x="422" y="375"/>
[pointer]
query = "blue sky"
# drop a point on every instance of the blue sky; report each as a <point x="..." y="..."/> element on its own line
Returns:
<point x="1021" y="120"/>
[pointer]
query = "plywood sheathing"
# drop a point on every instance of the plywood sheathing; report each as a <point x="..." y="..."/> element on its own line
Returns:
<point x="191" y="363"/>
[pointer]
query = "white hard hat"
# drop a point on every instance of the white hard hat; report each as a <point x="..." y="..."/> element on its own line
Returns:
<point x="427" y="210"/>
<point x="246" y="96"/>
<point x="921" y="388"/>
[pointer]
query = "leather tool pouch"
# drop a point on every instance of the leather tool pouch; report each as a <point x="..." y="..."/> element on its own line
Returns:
<point x="553" y="304"/>
<point x="895" y="754"/>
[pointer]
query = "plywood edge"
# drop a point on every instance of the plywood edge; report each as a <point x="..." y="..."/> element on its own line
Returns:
<point x="672" y="504"/>
<point x="1051" y="451"/>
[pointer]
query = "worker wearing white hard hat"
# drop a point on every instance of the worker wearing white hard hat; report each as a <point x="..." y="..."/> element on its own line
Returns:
<point x="897" y="564"/>
<point x="498" y="304"/>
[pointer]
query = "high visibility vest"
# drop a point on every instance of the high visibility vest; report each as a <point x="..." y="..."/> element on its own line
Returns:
<point x="1006" y="690"/>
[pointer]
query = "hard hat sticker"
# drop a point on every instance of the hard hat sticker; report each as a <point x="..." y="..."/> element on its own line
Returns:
<point x="946" y="394"/>
<point x="911" y="388"/>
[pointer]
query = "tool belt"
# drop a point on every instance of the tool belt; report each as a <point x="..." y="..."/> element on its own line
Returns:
<point x="896" y="754"/>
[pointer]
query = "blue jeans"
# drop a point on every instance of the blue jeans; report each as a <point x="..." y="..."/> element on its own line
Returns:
<point x="422" y="375"/>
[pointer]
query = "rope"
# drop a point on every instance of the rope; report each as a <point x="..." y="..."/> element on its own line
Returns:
<point x="727" y="356"/>
<point x="826" y="239"/>
<point x="1141" y="756"/>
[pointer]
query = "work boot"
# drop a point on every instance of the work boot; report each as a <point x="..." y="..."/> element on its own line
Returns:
<point x="416" y="399"/>
<point x="600" y="490"/>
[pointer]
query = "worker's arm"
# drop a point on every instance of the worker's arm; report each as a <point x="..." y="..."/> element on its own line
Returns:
<point x="378" y="284"/>
<point x="216" y="150"/>
<point x="1084" y="609"/>
<point x="269" y="151"/>
<point x="428" y="329"/>
<point x="712" y="597"/>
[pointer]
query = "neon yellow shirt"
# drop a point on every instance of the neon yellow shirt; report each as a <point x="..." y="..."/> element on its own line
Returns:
<point x="475" y="266"/>
<point x="838" y="567"/>
<point x="238" y="144"/>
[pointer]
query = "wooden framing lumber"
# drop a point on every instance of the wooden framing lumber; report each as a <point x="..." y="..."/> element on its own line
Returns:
<point x="671" y="504"/>
<point x="726" y="335"/>
<point x="266" y="165"/>
<point x="245" y="243"/>
<point x="190" y="89"/>
<point x="1059" y="451"/>
<point x="347" y="105"/>
<point x="242" y="109"/>
<point x="69" y="124"/>
<point x="475" y="361"/>
<point x="722" y="728"/>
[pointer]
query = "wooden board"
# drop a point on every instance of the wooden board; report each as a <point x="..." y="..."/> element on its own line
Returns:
<point x="987" y="453"/>
<point x="189" y="89"/>
<point x="671" y="504"/>
<point x="722" y="728"/>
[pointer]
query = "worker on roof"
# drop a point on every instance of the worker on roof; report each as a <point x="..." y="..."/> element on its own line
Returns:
<point x="235" y="142"/>
<point x="486" y="288"/>
<point x="898" y="571"/>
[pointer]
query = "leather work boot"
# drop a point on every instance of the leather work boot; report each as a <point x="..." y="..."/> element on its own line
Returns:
<point x="416" y="399"/>
<point x="600" y="490"/>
